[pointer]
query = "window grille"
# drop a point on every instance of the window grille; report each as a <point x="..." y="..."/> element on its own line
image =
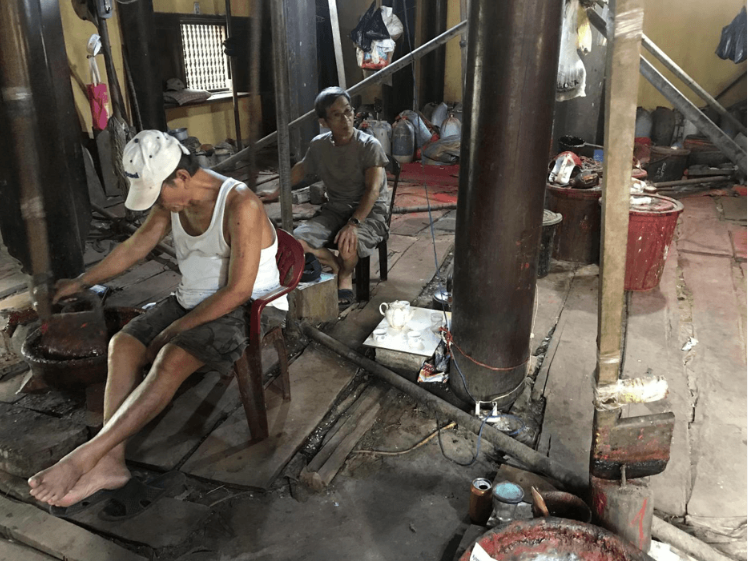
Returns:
<point x="204" y="61"/>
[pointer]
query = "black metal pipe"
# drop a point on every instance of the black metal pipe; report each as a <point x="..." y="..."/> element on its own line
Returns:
<point x="141" y="52"/>
<point x="434" y="23"/>
<point x="534" y="460"/>
<point x="234" y="97"/>
<point x="282" y="104"/>
<point x="513" y="49"/>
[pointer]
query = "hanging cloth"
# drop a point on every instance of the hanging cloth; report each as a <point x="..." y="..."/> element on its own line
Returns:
<point x="97" y="91"/>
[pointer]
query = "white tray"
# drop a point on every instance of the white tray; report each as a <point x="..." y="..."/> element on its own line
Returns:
<point x="397" y="339"/>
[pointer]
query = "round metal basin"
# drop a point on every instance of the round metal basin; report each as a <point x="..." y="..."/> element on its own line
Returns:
<point x="555" y="539"/>
<point x="74" y="373"/>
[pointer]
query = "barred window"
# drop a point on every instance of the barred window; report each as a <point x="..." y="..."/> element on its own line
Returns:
<point x="205" y="63"/>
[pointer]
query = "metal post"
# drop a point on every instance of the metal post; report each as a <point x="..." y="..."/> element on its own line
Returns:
<point x="282" y="103"/>
<point x="232" y="65"/>
<point x="376" y="78"/>
<point x="715" y="135"/>
<point x="669" y="63"/>
<point x="509" y="98"/>
<point x="463" y="44"/>
<point x="337" y="45"/>
<point x="141" y="63"/>
<point x="118" y="105"/>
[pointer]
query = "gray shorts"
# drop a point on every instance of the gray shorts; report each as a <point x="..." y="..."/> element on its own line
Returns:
<point x="320" y="231"/>
<point x="218" y="343"/>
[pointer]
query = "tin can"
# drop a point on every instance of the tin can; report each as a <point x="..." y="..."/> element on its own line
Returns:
<point x="481" y="504"/>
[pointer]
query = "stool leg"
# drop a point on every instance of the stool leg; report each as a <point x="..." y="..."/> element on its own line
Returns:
<point x="248" y="371"/>
<point x="383" y="260"/>
<point x="362" y="279"/>
<point x="279" y="343"/>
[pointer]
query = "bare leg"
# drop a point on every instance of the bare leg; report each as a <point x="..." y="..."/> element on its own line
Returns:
<point x="348" y="264"/>
<point x="325" y="256"/>
<point x="171" y="367"/>
<point x="127" y="356"/>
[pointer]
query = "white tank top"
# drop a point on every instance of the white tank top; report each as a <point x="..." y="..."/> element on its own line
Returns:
<point x="204" y="260"/>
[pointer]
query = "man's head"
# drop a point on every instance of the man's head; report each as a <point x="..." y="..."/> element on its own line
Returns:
<point x="333" y="107"/>
<point x="151" y="160"/>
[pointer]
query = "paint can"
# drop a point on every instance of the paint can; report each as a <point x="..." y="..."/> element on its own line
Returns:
<point x="480" y="501"/>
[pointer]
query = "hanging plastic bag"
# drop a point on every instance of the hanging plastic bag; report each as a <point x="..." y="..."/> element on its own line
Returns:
<point x="572" y="76"/>
<point x="732" y="44"/>
<point x="96" y="91"/>
<point x="381" y="50"/>
<point x="371" y="27"/>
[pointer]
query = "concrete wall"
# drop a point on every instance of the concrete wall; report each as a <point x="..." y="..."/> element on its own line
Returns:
<point x="687" y="30"/>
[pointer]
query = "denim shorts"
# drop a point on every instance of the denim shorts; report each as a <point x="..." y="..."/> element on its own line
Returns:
<point x="218" y="343"/>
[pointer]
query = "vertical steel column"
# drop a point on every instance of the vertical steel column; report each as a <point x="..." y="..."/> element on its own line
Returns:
<point x="232" y="65"/>
<point x="282" y="104"/>
<point x="513" y="49"/>
<point x="141" y="52"/>
<point x="45" y="214"/>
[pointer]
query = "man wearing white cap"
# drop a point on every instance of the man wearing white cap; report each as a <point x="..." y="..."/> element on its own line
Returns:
<point x="226" y="249"/>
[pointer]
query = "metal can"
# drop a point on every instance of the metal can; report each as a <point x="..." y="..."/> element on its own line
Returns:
<point x="480" y="501"/>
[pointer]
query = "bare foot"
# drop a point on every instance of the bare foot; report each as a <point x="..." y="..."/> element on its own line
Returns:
<point x="53" y="483"/>
<point x="109" y="473"/>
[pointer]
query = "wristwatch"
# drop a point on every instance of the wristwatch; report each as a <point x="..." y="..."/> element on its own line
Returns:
<point x="355" y="221"/>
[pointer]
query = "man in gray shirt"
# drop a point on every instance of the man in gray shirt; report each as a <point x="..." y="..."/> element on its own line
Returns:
<point x="351" y="165"/>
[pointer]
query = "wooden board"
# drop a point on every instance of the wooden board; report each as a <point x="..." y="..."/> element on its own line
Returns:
<point x="228" y="455"/>
<point x="56" y="537"/>
<point x="12" y="551"/>
<point x="179" y="429"/>
<point x="167" y="523"/>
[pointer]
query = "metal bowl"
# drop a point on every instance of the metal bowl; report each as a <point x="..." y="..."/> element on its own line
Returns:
<point x="552" y="539"/>
<point x="74" y="373"/>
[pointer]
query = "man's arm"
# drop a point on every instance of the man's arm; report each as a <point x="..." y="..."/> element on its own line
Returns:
<point x="347" y="238"/>
<point x="297" y="176"/>
<point x="157" y="224"/>
<point x="245" y="223"/>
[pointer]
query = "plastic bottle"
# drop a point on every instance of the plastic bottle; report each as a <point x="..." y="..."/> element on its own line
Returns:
<point x="440" y="114"/>
<point x="422" y="133"/>
<point x="382" y="131"/>
<point x="451" y="127"/>
<point x="403" y="141"/>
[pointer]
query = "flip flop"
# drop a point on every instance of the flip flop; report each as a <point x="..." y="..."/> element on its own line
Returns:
<point x="345" y="298"/>
<point x="138" y="496"/>
<point x="83" y="504"/>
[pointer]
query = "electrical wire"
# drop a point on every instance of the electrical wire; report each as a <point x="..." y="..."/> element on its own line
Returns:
<point x="477" y="447"/>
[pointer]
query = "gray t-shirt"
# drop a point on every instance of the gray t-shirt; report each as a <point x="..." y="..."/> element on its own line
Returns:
<point x="343" y="168"/>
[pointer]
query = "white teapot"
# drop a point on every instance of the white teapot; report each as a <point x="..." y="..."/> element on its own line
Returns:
<point x="397" y="313"/>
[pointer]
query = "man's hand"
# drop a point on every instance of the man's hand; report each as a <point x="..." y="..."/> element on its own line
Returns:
<point x="347" y="239"/>
<point x="67" y="287"/>
<point x="162" y="339"/>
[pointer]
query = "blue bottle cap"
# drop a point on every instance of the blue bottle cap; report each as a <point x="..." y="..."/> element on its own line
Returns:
<point x="508" y="492"/>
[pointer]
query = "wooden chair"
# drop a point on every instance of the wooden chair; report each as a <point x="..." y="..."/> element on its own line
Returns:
<point x="363" y="266"/>
<point x="248" y="369"/>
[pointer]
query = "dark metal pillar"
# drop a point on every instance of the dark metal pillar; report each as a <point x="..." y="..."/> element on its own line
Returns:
<point x="513" y="51"/>
<point x="433" y="24"/>
<point x="141" y="49"/>
<point x="42" y="175"/>
<point x="301" y="33"/>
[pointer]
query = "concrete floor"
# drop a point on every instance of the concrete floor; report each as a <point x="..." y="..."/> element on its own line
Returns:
<point x="414" y="506"/>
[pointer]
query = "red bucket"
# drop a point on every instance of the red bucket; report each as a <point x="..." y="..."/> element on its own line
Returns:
<point x="651" y="227"/>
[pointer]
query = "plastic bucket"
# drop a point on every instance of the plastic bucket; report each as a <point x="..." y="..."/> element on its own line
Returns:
<point x="570" y="144"/>
<point x="551" y="220"/>
<point x="651" y="229"/>
<point x="666" y="164"/>
<point x="577" y="237"/>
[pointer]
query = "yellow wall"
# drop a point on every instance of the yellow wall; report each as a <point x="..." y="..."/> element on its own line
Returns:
<point x="211" y="123"/>
<point x="687" y="30"/>
<point x="77" y="33"/>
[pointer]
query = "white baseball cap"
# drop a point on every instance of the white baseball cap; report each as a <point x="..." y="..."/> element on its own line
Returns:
<point x="148" y="159"/>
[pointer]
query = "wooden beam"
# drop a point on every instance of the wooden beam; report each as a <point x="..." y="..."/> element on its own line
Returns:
<point x="335" y="24"/>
